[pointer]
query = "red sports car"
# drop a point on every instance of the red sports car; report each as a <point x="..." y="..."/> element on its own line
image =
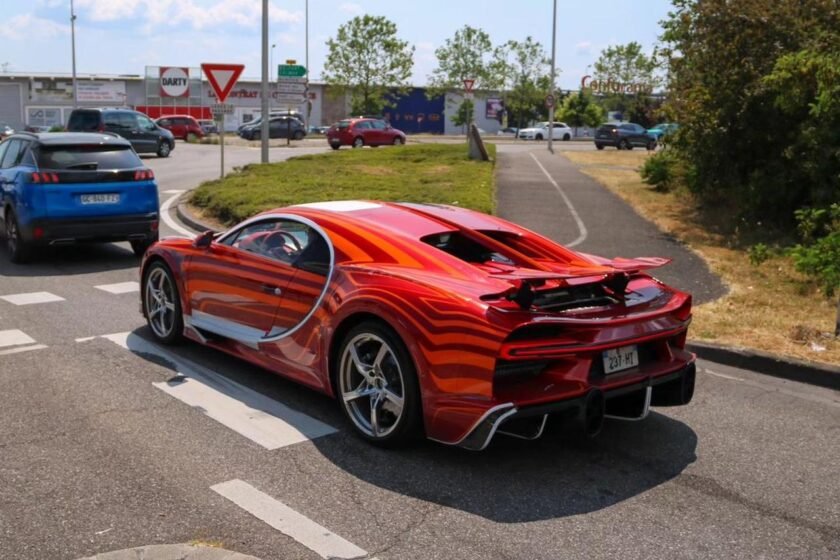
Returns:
<point x="428" y="319"/>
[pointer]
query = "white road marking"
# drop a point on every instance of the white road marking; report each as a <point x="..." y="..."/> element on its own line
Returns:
<point x="772" y="387"/>
<point x="120" y="288"/>
<point x="15" y="337"/>
<point x="583" y="233"/>
<point x="259" y="418"/>
<point x="167" y="219"/>
<point x="31" y="297"/>
<point x="171" y="191"/>
<point x="313" y="536"/>
<point x="710" y="372"/>
<point x="86" y="338"/>
<point x="22" y="349"/>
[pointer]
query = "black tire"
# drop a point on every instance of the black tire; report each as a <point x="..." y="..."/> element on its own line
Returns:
<point x="358" y="142"/>
<point x="398" y="141"/>
<point x="395" y="375"/>
<point x="298" y="135"/>
<point x="599" y="146"/>
<point x="140" y="246"/>
<point x="256" y="136"/>
<point x="19" y="250"/>
<point x="538" y="137"/>
<point x="164" y="149"/>
<point x="335" y="146"/>
<point x="567" y="137"/>
<point x="623" y="144"/>
<point x="176" y="333"/>
<point x="651" y="145"/>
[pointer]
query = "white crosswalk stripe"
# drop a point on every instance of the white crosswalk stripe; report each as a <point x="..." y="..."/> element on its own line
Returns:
<point x="275" y="513"/>
<point x="259" y="418"/>
<point x="31" y="298"/>
<point x="14" y="337"/>
<point x="120" y="287"/>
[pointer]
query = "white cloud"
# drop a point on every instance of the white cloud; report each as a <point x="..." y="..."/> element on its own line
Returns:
<point x="584" y="47"/>
<point x="350" y="8"/>
<point x="22" y="26"/>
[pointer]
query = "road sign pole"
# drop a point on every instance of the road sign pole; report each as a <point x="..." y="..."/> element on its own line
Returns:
<point x="289" y="126"/>
<point x="553" y="50"/>
<point x="222" y="147"/>
<point x="264" y="105"/>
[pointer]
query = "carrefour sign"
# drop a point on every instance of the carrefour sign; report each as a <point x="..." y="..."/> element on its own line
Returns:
<point x="613" y="86"/>
<point x="174" y="81"/>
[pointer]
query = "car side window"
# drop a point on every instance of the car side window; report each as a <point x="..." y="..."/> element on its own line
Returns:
<point x="364" y="125"/>
<point x="127" y="121"/>
<point x="165" y="122"/>
<point x="13" y="150"/>
<point x="3" y="147"/>
<point x="25" y="156"/>
<point x="378" y="125"/>
<point x="112" y="120"/>
<point x="285" y="241"/>
<point x="145" y="122"/>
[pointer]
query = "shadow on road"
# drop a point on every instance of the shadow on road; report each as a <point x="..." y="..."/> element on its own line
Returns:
<point x="71" y="260"/>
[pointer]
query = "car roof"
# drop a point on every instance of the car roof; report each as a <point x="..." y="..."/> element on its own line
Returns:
<point x="73" y="138"/>
<point x="175" y="117"/>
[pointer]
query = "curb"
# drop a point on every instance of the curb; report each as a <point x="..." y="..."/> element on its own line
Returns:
<point x="171" y="552"/>
<point x="821" y="375"/>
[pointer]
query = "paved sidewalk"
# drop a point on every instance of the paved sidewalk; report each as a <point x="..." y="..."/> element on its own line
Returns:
<point x="612" y="228"/>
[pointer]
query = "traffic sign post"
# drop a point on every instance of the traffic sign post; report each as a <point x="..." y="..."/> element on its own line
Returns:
<point x="549" y="101"/>
<point x="222" y="78"/>
<point x="291" y="89"/>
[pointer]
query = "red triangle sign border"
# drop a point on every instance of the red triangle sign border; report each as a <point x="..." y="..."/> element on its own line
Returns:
<point x="222" y="90"/>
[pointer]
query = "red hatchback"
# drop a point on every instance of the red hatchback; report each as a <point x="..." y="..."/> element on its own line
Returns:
<point x="184" y="127"/>
<point x="363" y="132"/>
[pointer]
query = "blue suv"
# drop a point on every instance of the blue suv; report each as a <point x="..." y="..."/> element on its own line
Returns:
<point x="63" y="187"/>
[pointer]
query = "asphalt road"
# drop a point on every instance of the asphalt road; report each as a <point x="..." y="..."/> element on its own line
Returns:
<point x="101" y="449"/>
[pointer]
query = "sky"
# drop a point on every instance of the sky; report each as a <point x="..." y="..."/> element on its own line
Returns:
<point x="124" y="36"/>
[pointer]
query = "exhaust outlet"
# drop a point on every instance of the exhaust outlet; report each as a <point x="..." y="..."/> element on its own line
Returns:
<point x="677" y="392"/>
<point x="591" y="417"/>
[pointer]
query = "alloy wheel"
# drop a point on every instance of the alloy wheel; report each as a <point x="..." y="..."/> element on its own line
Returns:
<point x="160" y="297"/>
<point x="372" y="385"/>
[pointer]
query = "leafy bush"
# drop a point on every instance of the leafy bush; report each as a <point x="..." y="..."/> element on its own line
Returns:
<point x="662" y="171"/>
<point x="819" y="254"/>
<point x="759" y="253"/>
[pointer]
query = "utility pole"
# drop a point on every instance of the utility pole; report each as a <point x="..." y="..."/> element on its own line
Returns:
<point x="73" y="50"/>
<point x="265" y="112"/>
<point x="308" y="104"/>
<point x="553" y="51"/>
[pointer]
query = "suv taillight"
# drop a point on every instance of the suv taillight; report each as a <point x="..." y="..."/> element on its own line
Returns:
<point x="144" y="175"/>
<point x="43" y="177"/>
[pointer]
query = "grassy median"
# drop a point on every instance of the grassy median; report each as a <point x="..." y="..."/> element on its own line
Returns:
<point x="769" y="307"/>
<point x="421" y="173"/>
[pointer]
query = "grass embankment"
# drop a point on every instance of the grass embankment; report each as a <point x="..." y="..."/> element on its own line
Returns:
<point x="770" y="307"/>
<point x="423" y="173"/>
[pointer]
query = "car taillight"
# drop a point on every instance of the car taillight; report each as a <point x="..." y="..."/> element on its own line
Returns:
<point x="43" y="177"/>
<point x="144" y="175"/>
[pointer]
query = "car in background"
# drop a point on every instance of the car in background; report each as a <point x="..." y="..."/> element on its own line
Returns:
<point x="68" y="187"/>
<point x="257" y="120"/>
<point x="183" y="127"/>
<point x="360" y="132"/>
<point x="623" y="136"/>
<point x="37" y="128"/>
<point x="278" y="127"/>
<point x="540" y="132"/>
<point x="208" y="126"/>
<point x="509" y="132"/>
<point x="318" y="130"/>
<point x="145" y="136"/>
<point x="6" y="130"/>
<point x="662" y="129"/>
<point x="452" y="324"/>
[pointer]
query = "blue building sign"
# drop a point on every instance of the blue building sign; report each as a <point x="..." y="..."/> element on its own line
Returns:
<point x="414" y="112"/>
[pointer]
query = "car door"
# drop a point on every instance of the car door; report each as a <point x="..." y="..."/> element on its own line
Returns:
<point x="277" y="127"/>
<point x="147" y="132"/>
<point x="363" y="129"/>
<point x="379" y="133"/>
<point x="236" y="285"/>
<point x="639" y="135"/>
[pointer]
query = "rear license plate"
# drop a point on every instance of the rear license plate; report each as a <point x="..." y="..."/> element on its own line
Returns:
<point x="101" y="198"/>
<point x="617" y="359"/>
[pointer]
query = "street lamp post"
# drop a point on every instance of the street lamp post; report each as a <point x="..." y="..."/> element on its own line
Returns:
<point x="308" y="104"/>
<point x="73" y="50"/>
<point x="553" y="50"/>
<point x="264" y="105"/>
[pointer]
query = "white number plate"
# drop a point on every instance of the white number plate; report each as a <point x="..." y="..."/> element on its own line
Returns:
<point x="101" y="198"/>
<point x="618" y="359"/>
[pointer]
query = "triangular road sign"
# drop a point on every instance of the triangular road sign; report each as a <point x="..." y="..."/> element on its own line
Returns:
<point x="468" y="85"/>
<point x="222" y="77"/>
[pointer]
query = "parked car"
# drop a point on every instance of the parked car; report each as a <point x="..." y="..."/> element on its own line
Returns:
<point x="62" y="187"/>
<point x="285" y="113"/>
<point x="6" y="130"/>
<point x="540" y="132"/>
<point x="183" y="127"/>
<point x="363" y="132"/>
<point x="450" y="323"/>
<point x="209" y="126"/>
<point x="662" y="129"/>
<point x="145" y="136"/>
<point x="510" y="131"/>
<point x="623" y="136"/>
<point x="318" y="129"/>
<point x="37" y="128"/>
<point x="278" y="127"/>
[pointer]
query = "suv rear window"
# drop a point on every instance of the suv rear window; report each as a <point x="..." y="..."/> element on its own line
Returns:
<point x="91" y="157"/>
<point x="84" y="121"/>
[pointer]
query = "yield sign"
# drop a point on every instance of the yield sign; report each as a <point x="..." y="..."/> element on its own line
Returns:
<point x="222" y="77"/>
<point x="468" y="85"/>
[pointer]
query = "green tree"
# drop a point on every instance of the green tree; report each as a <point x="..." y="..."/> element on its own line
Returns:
<point x="628" y="64"/>
<point x="579" y="109"/>
<point x="466" y="55"/>
<point x="368" y="61"/>
<point x="522" y="70"/>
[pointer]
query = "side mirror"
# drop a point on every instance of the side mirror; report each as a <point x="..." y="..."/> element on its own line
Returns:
<point x="203" y="240"/>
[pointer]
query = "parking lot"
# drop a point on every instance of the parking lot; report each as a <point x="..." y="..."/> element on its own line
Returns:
<point x="112" y="441"/>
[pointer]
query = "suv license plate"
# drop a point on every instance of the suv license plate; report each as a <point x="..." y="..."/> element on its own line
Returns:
<point x="618" y="359"/>
<point x="101" y="198"/>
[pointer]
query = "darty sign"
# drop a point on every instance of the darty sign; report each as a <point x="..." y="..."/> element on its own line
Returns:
<point x="611" y="86"/>
<point x="174" y="81"/>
